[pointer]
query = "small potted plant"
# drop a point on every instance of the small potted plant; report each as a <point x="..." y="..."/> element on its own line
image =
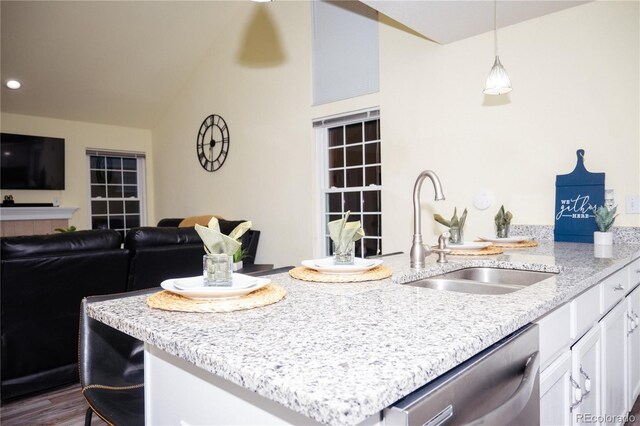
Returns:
<point x="455" y="225"/>
<point x="238" y="256"/>
<point x="503" y="222"/>
<point x="604" y="220"/>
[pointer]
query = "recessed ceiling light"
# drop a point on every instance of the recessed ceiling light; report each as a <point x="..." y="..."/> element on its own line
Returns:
<point x="13" y="84"/>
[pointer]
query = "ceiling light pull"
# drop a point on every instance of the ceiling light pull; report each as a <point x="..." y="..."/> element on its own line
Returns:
<point x="498" y="81"/>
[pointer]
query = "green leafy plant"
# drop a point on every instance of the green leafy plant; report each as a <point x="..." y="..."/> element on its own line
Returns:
<point x="503" y="221"/>
<point x="69" y="229"/>
<point x="241" y="254"/>
<point x="454" y="222"/>
<point x="605" y="217"/>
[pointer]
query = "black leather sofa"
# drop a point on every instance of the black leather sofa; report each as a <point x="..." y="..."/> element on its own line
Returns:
<point x="163" y="252"/>
<point x="45" y="277"/>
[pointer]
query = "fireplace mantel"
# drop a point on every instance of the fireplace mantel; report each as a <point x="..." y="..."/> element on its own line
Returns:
<point x="16" y="221"/>
<point x="36" y="213"/>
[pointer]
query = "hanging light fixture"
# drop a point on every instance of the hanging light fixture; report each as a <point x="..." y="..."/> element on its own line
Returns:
<point x="498" y="81"/>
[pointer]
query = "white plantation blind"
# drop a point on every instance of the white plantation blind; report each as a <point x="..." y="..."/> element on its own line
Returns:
<point x="345" y="50"/>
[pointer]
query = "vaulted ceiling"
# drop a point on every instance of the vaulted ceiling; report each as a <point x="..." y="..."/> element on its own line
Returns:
<point x="123" y="62"/>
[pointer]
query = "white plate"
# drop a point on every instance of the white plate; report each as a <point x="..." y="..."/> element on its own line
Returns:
<point x="470" y="245"/>
<point x="514" y="239"/>
<point x="326" y="265"/>
<point x="193" y="287"/>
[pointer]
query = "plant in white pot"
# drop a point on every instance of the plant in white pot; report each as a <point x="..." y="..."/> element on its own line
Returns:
<point x="604" y="220"/>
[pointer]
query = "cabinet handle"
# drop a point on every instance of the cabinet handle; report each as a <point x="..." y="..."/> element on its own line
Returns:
<point x="619" y="287"/>
<point x="577" y="394"/>
<point x="632" y="323"/>
<point x="587" y="382"/>
<point x="637" y="321"/>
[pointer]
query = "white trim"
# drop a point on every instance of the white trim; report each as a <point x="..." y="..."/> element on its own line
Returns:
<point x="113" y="153"/>
<point x="322" y="172"/>
<point x="36" y="213"/>
<point x="351" y="117"/>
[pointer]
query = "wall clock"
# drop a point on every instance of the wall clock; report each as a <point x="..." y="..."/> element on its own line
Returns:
<point x="212" y="145"/>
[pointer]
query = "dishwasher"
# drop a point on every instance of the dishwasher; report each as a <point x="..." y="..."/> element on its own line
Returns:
<point x="498" y="386"/>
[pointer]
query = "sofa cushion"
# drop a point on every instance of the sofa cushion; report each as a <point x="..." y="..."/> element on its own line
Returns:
<point x="172" y="222"/>
<point x="41" y="294"/>
<point x="150" y="236"/>
<point x="200" y="220"/>
<point x="31" y="245"/>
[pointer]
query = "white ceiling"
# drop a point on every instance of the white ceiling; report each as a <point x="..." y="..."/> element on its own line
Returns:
<point x="446" y="21"/>
<point x="123" y="62"/>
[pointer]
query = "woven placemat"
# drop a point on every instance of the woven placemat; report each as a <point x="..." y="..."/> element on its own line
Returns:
<point x="480" y="252"/>
<point x="271" y="293"/>
<point x="308" y="274"/>
<point x="520" y="244"/>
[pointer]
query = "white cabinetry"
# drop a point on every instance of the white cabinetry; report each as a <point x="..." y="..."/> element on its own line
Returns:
<point x="614" y="363"/>
<point x="633" y="345"/>
<point x="590" y="369"/>
<point x="556" y="392"/>
<point x="586" y="371"/>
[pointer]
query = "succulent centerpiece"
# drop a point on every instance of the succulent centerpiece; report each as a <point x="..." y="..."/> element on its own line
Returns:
<point x="455" y="225"/>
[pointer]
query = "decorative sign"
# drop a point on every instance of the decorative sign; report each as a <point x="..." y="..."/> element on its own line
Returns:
<point x="578" y="194"/>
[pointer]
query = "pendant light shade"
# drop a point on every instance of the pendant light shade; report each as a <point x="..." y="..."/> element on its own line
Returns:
<point x="498" y="81"/>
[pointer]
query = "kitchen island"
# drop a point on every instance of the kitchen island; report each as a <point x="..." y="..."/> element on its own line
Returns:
<point x="341" y="353"/>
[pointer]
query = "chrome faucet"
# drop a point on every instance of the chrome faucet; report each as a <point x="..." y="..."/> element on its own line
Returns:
<point x="419" y="251"/>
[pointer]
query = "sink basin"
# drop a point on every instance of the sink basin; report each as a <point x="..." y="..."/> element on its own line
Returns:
<point x="489" y="281"/>
<point x="465" y="286"/>
<point x="499" y="276"/>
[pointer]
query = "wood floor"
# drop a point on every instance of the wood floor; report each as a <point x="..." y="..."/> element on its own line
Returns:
<point x="67" y="407"/>
<point x="64" y="407"/>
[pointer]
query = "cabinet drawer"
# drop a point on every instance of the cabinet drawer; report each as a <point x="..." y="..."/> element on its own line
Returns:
<point x="585" y="311"/>
<point x="613" y="289"/>
<point x="555" y="334"/>
<point x="634" y="273"/>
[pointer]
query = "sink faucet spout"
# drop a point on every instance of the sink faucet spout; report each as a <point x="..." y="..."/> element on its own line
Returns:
<point x="418" y="250"/>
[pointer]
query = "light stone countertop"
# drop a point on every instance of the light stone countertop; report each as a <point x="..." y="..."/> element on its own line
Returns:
<point x="339" y="353"/>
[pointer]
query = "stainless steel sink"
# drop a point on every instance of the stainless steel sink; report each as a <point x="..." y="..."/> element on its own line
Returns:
<point x="499" y="276"/>
<point x="491" y="281"/>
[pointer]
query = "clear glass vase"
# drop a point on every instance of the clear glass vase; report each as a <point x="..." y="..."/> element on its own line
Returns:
<point x="343" y="254"/>
<point x="456" y="236"/>
<point x="502" y="231"/>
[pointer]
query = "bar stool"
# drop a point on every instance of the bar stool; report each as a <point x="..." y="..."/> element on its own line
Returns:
<point x="111" y="366"/>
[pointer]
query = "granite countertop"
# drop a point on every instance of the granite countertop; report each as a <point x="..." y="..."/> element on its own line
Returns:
<point x="339" y="353"/>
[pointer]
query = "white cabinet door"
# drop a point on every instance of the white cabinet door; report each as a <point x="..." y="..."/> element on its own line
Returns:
<point x="633" y="345"/>
<point x="586" y="371"/>
<point x="614" y="363"/>
<point x="555" y="392"/>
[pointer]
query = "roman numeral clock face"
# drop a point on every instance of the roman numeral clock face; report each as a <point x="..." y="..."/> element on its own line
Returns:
<point x="212" y="144"/>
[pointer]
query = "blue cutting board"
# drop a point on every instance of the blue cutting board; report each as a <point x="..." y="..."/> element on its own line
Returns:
<point x="578" y="194"/>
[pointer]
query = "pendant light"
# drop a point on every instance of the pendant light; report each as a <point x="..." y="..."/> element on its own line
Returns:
<point x="498" y="81"/>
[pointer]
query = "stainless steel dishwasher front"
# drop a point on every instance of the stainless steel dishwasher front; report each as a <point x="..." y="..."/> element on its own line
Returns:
<point x="498" y="386"/>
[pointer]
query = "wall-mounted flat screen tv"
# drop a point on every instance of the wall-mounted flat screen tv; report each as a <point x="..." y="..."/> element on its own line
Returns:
<point x="31" y="162"/>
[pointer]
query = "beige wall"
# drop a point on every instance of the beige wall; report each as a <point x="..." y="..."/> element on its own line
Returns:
<point x="575" y="77"/>
<point x="576" y="85"/>
<point x="257" y="76"/>
<point x="78" y="137"/>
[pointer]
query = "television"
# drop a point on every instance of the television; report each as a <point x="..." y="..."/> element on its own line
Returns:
<point x="31" y="162"/>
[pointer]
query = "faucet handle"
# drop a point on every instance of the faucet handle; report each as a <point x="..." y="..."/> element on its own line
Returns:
<point x="442" y="249"/>
<point x="442" y="240"/>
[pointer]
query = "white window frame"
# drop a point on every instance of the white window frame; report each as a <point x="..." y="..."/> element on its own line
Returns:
<point x="140" y="158"/>
<point x="321" y="126"/>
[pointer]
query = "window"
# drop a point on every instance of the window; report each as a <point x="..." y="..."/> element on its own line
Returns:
<point x="117" y="190"/>
<point x="345" y="50"/>
<point x="352" y="176"/>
